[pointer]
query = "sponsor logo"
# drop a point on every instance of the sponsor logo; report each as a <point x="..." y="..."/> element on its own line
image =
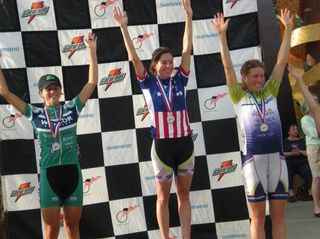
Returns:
<point x="149" y="178"/>
<point x="233" y="2"/>
<point x="226" y="167"/>
<point x="77" y="44"/>
<point x="113" y="76"/>
<point x="203" y="36"/>
<point x="137" y="41"/>
<point x="100" y="9"/>
<point x="37" y="9"/>
<point x="144" y="111"/>
<point x="85" y="116"/>
<point x="64" y="121"/>
<point x="23" y="189"/>
<point x="170" y="4"/>
<point x="122" y="216"/>
<point x="9" y="49"/>
<point x="10" y="120"/>
<point x="228" y="236"/>
<point x="199" y="206"/>
<point x="88" y="182"/>
<point x="210" y="104"/>
<point x="119" y="146"/>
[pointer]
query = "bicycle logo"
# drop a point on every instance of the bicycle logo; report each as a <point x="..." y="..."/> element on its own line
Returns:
<point x="87" y="183"/>
<point x="137" y="41"/>
<point x="122" y="216"/>
<point x="100" y="9"/>
<point x="10" y="120"/>
<point x="211" y="103"/>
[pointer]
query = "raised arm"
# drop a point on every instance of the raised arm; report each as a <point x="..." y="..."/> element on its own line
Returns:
<point x="221" y="26"/>
<point x="187" y="36"/>
<point x="14" y="100"/>
<point x="313" y="106"/>
<point x="122" y="21"/>
<point x="91" y="42"/>
<point x="287" y="20"/>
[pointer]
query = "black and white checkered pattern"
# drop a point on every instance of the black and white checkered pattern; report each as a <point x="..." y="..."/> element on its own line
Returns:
<point x="113" y="130"/>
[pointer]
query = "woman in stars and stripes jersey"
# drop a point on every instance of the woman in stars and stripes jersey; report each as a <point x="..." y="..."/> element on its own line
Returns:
<point x="61" y="183"/>
<point x="263" y="165"/>
<point x="165" y="94"/>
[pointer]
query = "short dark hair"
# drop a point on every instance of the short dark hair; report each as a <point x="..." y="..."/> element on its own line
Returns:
<point x="157" y="53"/>
<point x="248" y="65"/>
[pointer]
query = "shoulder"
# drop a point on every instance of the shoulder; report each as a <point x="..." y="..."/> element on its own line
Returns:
<point x="236" y="93"/>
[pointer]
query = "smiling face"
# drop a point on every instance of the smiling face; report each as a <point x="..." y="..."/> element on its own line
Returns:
<point x="51" y="94"/>
<point x="255" y="79"/>
<point x="164" y="66"/>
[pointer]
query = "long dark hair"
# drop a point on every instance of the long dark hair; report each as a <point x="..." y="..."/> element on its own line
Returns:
<point x="157" y="53"/>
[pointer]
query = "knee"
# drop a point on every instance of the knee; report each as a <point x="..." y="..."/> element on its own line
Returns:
<point x="71" y="224"/>
<point x="277" y="218"/>
<point x="52" y="231"/>
<point x="163" y="199"/>
<point x="183" y="195"/>
<point x="258" y="220"/>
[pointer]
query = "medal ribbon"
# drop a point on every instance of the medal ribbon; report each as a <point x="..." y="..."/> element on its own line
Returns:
<point x="168" y="102"/>
<point x="261" y="108"/>
<point x="54" y="130"/>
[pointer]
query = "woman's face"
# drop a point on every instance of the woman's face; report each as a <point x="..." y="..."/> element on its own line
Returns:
<point x="255" y="79"/>
<point x="293" y="131"/>
<point x="164" y="66"/>
<point x="51" y="94"/>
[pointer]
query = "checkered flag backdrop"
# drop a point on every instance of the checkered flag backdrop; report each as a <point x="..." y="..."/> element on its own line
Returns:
<point x="39" y="37"/>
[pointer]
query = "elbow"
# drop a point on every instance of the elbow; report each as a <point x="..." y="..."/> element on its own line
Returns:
<point x="187" y="51"/>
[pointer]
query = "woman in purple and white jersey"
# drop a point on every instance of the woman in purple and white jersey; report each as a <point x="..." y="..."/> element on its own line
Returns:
<point x="165" y="93"/>
<point x="263" y="165"/>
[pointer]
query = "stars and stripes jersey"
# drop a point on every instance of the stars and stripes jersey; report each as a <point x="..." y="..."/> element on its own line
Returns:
<point x="161" y="126"/>
<point x="58" y="144"/>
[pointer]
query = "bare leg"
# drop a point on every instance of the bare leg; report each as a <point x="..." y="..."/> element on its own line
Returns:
<point x="51" y="219"/>
<point x="163" y="194"/>
<point x="258" y="217"/>
<point x="277" y="211"/>
<point x="72" y="217"/>
<point x="315" y="188"/>
<point x="183" y="184"/>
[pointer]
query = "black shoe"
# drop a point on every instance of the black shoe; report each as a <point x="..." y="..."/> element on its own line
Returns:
<point x="292" y="199"/>
<point x="316" y="214"/>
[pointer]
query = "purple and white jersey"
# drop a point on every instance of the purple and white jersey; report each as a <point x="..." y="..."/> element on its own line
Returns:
<point x="261" y="128"/>
<point x="166" y="100"/>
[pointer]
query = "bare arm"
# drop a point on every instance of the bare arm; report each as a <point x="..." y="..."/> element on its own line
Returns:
<point x="122" y="21"/>
<point x="187" y="36"/>
<point x="313" y="106"/>
<point x="221" y="28"/>
<point x="91" y="42"/>
<point x="14" y="100"/>
<point x="282" y="59"/>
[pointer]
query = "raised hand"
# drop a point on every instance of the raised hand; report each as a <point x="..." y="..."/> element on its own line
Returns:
<point x="286" y="18"/>
<point x="220" y="24"/>
<point x="295" y="72"/>
<point x="91" y="41"/>
<point x="187" y="7"/>
<point x="120" y="18"/>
